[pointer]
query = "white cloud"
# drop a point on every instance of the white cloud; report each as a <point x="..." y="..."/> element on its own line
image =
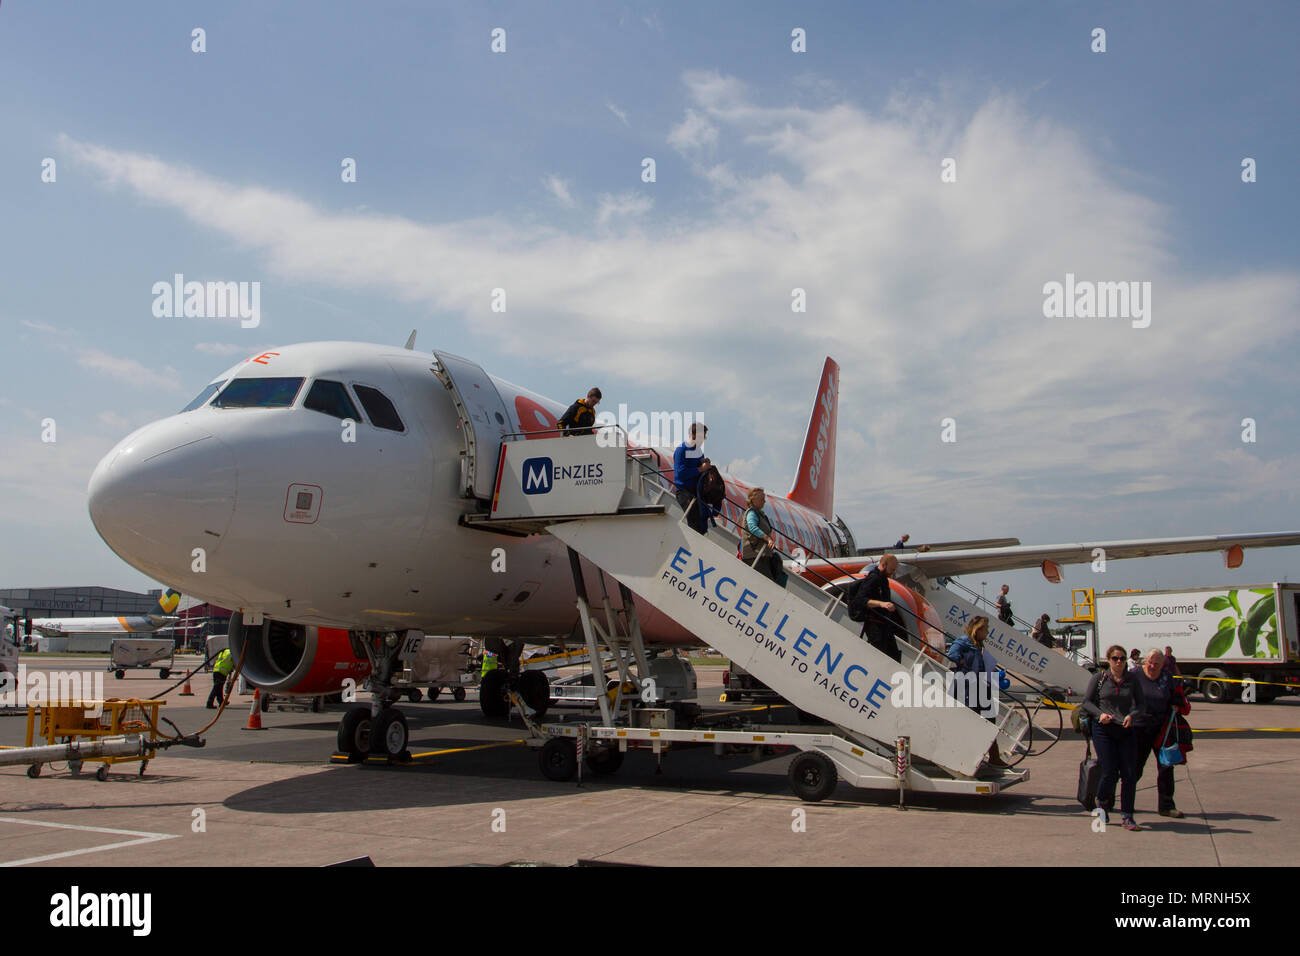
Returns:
<point x="743" y="468"/>
<point x="622" y="116"/>
<point x="112" y="419"/>
<point x="559" y="188"/>
<point x="129" y="371"/>
<point x="929" y="294"/>
<point x="40" y="326"/>
<point x="693" y="133"/>
<point x="624" y="204"/>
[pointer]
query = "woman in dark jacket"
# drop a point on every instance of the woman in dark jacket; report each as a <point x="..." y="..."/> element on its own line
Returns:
<point x="1113" y="700"/>
<point x="1162" y="697"/>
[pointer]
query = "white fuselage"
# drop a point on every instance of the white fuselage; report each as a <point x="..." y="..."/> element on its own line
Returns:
<point x="209" y="500"/>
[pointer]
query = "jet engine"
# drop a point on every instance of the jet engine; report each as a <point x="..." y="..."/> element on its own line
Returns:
<point x="297" y="658"/>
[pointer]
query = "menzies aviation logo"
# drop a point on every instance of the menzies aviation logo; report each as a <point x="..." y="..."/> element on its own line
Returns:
<point x="537" y="476"/>
<point x="541" y="474"/>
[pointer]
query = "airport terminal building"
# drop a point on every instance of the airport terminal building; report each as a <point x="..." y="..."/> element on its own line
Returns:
<point x="73" y="602"/>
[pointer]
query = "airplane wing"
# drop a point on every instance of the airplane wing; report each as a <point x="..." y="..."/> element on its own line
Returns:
<point x="936" y="564"/>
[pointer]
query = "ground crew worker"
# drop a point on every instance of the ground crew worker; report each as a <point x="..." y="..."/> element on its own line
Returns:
<point x="579" y="417"/>
<point x="489" y="664"/>
<point x="222" y="668"/>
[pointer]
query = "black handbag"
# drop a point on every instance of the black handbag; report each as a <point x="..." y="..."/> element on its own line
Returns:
<point x="1089" y="778"/>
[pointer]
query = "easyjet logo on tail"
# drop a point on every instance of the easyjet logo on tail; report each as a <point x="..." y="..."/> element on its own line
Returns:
<point x="826" y="402"/>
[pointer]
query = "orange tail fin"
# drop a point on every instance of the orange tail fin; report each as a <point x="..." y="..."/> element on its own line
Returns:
<point x="814" y="482"/>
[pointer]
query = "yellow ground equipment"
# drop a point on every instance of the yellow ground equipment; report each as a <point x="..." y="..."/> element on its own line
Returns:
<point x="73" y="722"/>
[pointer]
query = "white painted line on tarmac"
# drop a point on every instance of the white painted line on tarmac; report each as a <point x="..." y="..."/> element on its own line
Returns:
<point x="142" y="837"/>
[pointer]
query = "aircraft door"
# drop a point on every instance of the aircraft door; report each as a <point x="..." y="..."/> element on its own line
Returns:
<point x="484" y="419"/>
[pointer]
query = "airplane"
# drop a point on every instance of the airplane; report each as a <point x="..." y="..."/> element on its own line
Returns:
<point x="162" y="616"/>
<point x="323" y="489"/>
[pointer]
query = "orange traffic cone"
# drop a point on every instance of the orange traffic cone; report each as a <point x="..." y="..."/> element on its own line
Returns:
<point x="255" y="714"/>
<point x="186" y="691"/>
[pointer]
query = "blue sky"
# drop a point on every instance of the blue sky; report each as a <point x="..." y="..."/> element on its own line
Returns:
<point x="775" y="169"/>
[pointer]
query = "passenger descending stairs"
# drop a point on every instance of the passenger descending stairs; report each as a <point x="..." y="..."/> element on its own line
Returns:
<point x="796" y="639"/>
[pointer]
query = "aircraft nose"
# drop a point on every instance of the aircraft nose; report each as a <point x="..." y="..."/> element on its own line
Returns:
<point x="163" y="491"/>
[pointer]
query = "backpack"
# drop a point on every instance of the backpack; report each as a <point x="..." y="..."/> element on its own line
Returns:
<point x="857" y="595"/>
<point x="713" y="489"/>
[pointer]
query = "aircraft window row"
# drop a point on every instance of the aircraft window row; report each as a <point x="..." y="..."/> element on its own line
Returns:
<point x="259" y="393"/>
<point x="201" y="399"/>
<point x="379" y="408"/>
<point x="332" y="399"/>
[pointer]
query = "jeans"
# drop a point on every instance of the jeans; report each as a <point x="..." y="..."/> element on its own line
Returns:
<point x="695" y="517"/>
<point x="1148" y="740"/>
<point x="1117" y="754"/>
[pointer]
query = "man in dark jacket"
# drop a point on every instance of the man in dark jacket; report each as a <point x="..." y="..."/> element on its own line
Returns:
<point x="882" y="622"/>
<point x="689" y="464"/>
<point x="579" y="417"/>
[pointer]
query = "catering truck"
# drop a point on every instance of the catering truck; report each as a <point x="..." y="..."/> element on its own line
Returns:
<point x="1233" y="641"/>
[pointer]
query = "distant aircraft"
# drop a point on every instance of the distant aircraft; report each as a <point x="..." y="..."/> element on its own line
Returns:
<point x="322" y="489"/>
<point x="163" y="615"/>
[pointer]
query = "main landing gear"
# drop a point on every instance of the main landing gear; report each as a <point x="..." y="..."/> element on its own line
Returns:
<point x="494" y="687"/>
<point x="378" y="728"/>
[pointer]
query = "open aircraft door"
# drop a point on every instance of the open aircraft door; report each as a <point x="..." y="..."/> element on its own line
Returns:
<point x="484" y="419"/>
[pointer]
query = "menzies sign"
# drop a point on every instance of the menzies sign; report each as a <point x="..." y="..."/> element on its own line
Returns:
<point x="559" y="476"/>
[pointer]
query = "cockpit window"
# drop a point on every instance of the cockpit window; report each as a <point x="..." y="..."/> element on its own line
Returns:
<point x="330" y="398"/>
<point x="379" y="408"/>
<point x="259" y="393"/>
<point x="201" y="399"/>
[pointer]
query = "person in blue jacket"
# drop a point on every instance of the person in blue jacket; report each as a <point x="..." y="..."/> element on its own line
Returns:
<point x="968" y="653"/>
<point x="688" y="464"/>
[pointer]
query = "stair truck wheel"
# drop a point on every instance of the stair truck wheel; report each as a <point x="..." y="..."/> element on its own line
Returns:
<point x="535" y="689"/>
<point x="354" y="733"/>
<point x="607" y="760"/>
<point x="458" y="694"/>
<point x="388" y="736"/>
<point x="492" y="694"/>
<point x="812" y="776"/>
<point x="558" y="759"/>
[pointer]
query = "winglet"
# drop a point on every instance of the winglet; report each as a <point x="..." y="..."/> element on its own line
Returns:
<point x="814" y="482"/>
<point x="410" y="342"/>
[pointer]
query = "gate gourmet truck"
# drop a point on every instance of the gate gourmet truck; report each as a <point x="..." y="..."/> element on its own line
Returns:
<point x="1222" y="637"/>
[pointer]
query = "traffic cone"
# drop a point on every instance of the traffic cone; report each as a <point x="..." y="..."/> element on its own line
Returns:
<point x="255" y="714"/>
<point x="186" y="691"/>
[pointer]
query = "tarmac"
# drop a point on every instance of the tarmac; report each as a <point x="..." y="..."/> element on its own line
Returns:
<point x="275" y="797"/>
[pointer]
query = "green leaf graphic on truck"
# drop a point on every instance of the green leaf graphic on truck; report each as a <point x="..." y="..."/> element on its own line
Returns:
<point x="1255" y="631"/>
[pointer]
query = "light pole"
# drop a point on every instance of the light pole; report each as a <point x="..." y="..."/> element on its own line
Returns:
<point x="983" y="598"/>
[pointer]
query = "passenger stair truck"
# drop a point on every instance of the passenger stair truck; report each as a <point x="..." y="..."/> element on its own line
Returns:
<point x="1233" y="641"/>
<point x="610" y="505"/>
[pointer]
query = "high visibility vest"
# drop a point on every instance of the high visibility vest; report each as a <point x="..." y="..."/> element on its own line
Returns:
<point x="224" y="664"/>
<point x="489" y="663"/>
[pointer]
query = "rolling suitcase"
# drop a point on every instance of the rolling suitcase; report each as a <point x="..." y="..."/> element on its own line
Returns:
<point x="1089" y="777"/>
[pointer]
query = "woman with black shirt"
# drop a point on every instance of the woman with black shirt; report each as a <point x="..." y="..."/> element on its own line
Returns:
<point x="1113" y="699"/>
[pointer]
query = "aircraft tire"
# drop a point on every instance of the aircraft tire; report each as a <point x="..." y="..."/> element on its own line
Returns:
<point x="389" y="735"/>
<point x="535" y="689"/>
<point x="492" y="694"/>
<point x="558" y="759"/>
<point x="812" y="776"/>
<point x="354" y="732"/>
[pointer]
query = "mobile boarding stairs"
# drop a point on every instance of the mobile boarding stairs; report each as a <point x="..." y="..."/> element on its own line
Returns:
<point x="609" y="504"/>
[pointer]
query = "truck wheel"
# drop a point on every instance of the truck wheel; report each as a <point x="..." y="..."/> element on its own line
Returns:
<point x="120" y="675"/>
<point x="1214" y="686"/>
<point x="458" y="694"/>
<point x="558" y="758"/>
<point x="812" y="776"/>
<point x="415" y="695"/>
